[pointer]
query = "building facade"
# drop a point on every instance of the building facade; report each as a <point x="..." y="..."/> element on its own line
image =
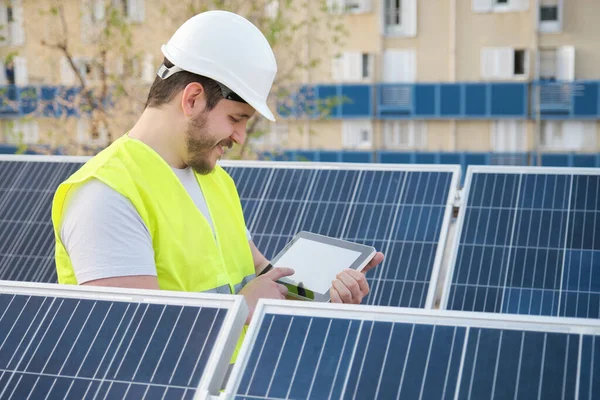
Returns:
<point x="410" y="75"/>
<point x="458" y="75"/>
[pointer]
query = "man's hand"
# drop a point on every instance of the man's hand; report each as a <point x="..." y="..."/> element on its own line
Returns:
<point x="351" y="286"/>
<point x="265" y="286"/>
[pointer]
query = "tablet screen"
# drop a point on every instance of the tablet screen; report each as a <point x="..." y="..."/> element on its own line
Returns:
<point x="316" y="264"/>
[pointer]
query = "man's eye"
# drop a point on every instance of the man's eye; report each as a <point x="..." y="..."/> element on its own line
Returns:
<point x="234" y="120"/>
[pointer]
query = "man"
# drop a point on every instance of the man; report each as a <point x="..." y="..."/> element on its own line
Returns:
<point x="154" y="210"/>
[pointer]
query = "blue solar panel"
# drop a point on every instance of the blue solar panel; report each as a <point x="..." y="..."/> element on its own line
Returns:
<point x="328" y="352"/>
<point x="527" y="243"/>
<point x="79" y="344"/>
<point x="401" y="211"/>
<point x="27" y="186"/>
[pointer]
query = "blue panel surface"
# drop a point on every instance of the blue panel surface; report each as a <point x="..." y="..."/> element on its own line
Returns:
<point x="338" y="358"/>
<point x="399" y="213"/>
<point x="329" y="100"/>
<point x="357" y="101"/>
<point x="476" y="100"/>
<point x="450" y="99"/>
<point x="425" y="100"/>
<point x="585" y="100"/>
<point x="26" y="234"/>
<point x="68" y="348"/>
<point x="357" y="157"/>
<point x="508" y="99"/>
<point x="528" y="245"/>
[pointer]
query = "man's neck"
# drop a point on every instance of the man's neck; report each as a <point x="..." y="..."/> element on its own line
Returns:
<point x="156" y="129"/>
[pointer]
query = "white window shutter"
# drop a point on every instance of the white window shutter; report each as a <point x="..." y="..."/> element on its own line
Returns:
<point x="337" y="68"/>
<point x="336" y="6"/>
<point x="399" y="66"/>
<point x="354" y="132"/>
<point x="408" y="9"/>
<point x="141" y="10"/>
<point x="18" y="26"/>
<point x="392" y="63"/>
<point x="482" y="6"/>
<point x="98" y="10"/>
<point x="86" y="20"/>
<point x="352" y="66"/>
<point x="148" y="71"/>
<point x="565" y="63"/>
<point x="364" y="6"/>
<point x="4" y="31"/>
<point x="3" y="79"/>
<point x="21" y="74"/>
<point x="488" y="60"/>
<point x="504" y="62"/>
<point x="67" y="76"/>
<point x="519" y="5"/>
<point x="136" y="10"/>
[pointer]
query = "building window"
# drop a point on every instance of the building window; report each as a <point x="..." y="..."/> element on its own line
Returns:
<point x="520" y="65"/>
<point x="550" y="16"/>
<point x="504" y="63"/>
<point x="12" y="31"/>
<point x="487" y="6"/>
<point x="21" y="131"/>
<point x="133" y="10"/>
<point x="508" y="136"/>
<point x="568" y="135"/>
<point x="349" y="6"/>
<point x="400" y="18"/>
<point x="352" y="66"/>
<point x="357" y="134"/>
<point x="405" y="135"/>
<point x="557" y="64"/>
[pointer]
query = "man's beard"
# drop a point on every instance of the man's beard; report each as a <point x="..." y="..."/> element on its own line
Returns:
<point x="199" y="150"/>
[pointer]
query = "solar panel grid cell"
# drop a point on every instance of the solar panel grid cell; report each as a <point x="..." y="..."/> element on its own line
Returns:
<point x="26" y="236"/>
<point x="75" y="346"/>
<point x="527" y="244"/>
<point x="400" y="211"/>
<point x="336" y="352"/>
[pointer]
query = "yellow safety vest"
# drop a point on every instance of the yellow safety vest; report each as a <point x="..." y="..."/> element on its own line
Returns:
<point x="188" y="257"/>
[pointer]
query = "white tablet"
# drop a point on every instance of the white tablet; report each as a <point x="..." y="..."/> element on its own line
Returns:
<point x="316" y="260"/>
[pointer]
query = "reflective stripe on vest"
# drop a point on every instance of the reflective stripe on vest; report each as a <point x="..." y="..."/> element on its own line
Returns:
<point x="224" y="289"/>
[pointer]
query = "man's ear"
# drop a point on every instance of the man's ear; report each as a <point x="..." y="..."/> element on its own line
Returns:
<point x="193" y="99"/>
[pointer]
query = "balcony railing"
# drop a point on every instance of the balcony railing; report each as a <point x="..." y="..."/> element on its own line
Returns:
<point x="426" y="101"/>
<point x="42" y="101"/>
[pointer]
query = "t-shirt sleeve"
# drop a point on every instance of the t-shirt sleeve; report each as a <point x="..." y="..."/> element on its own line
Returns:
<point x="104" y="235"/>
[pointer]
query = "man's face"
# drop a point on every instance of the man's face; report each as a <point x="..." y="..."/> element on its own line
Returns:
<point x="211" y="132"/>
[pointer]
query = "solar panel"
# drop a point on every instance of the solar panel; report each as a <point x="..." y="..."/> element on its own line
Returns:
<point x="27" y="186"/>
<point x="527" y="243"/>
<point x="401" y="210"/>
<point x="59" y="341"/>
<point x="332" y="351"/>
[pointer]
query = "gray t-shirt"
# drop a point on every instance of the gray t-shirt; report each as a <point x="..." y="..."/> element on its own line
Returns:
<point x="105" y="236"/>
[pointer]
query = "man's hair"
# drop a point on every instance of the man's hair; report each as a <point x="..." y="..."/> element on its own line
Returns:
<point x="163" y="91"/>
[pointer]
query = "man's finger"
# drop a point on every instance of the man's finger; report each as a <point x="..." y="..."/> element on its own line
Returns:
<point x="360" y="278"/>
<point x="375" y="261"/>
<point x="351" y="283"/>
<point x="335" y="296"/>
<point x="278" y="273"/>
<point x="343" y="291"/>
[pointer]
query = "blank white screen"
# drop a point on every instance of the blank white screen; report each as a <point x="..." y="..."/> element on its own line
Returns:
<point x="316" y="264"/>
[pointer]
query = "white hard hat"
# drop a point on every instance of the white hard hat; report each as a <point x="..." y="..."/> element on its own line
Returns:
<point x="229" y="49"/>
